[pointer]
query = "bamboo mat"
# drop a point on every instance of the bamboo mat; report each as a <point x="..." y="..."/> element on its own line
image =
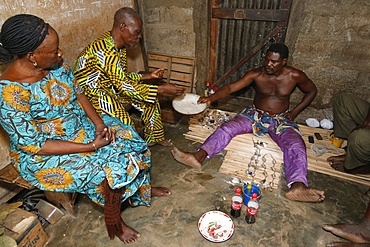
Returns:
<point x="240" y="159"/>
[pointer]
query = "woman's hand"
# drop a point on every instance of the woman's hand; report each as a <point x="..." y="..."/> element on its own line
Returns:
<point x="99" y="128"/>
<point x="104" y="136"/>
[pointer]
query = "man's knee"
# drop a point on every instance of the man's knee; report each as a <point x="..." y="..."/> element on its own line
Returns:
<point x="360" y="139"/>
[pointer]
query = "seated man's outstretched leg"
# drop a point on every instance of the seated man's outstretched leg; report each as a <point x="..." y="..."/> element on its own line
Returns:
<point x="112" y="215"/>
<point x="215" y="143"/>
<point x="359" y="233"/>
<point x="295" y="161"/>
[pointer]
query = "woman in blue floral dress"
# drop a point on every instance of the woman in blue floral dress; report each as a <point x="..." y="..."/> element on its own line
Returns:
<point x="57" y="140"/>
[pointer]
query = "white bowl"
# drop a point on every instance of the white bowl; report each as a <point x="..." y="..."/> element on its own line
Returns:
<point x="187" y="104"/>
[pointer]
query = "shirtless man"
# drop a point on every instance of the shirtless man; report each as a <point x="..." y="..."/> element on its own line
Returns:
<point x="273" y="83"/>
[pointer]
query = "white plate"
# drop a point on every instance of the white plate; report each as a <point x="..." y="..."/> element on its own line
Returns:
<point x="187" y="104"/>
<point x="218" y="220"/>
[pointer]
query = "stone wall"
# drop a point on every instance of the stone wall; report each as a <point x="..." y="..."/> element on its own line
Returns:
<point x="77" y="22"/>
<point x="330" y="41"/>
<point x="178" y="28"/>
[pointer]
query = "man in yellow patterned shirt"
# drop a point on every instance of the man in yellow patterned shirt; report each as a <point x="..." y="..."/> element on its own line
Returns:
<point x="101" y="71"/>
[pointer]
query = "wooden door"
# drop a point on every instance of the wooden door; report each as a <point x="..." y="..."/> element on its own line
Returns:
<point x="241" y="32"/>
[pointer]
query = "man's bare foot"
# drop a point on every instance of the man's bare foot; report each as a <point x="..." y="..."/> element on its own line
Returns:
<point x="165" y="143"/>
<point x="160" y="192"/>
<point x="336" y="158"/>
<point x="125" y="233"/>
<point x="299" y="192"/>
<point x="355" y="233"/>
<point x="346" y="244"/>
<point x="185" y="158"/>
<point x="337" y="163"/>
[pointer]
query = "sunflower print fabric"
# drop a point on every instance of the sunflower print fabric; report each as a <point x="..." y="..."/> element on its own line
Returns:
<point x="32" y="113"/>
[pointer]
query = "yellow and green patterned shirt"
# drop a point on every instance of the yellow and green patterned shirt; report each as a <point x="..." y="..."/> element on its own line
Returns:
<point x="101" y="71"/>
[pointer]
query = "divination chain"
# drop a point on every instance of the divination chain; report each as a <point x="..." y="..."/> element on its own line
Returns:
<point x="253" y="165"/>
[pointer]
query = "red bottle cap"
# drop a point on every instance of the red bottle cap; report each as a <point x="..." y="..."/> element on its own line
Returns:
<point x="254" y="196"/>
<point x="238" y="191"/>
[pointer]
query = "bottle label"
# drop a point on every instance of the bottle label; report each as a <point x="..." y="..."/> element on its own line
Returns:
<point x="252" y="211"/>
<point x="236" y="205"/>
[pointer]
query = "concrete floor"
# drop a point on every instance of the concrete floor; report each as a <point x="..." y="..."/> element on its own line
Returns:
<point x="173" y="221"/>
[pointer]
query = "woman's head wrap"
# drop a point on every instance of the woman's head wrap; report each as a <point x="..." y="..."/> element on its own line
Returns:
<point x="21" y="34"/>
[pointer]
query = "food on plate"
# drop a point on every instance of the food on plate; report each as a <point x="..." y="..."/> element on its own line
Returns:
<point x="215" y="230"/>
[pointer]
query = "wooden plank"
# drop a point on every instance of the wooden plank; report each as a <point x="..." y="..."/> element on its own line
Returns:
<point x="181" y="77"/>
<point x="181" y="83"/>
<point x="250" y="14"/>
<point x="178" y="70"/>
<point x="213" y="43"/>
<point x="183" y="60"/>
<point x="8" y="191"/>
<point x="152" y="56"/>
<point x="182" y="68"/>
<point x="10" y="175"/>
<point x="4" y="148"/>
<point x="158" y="64"/>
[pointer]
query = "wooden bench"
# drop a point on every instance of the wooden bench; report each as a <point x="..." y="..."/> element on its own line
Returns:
<point x="10" y="175"/>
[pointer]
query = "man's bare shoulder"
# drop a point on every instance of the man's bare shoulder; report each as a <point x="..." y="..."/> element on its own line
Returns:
<point x="254" y="73"/>
<point x="293" y="71"/>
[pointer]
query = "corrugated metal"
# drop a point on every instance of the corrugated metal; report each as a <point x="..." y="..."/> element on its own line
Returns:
<point x="237" y="38"/>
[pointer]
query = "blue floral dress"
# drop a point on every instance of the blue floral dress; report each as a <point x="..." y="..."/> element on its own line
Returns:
<point x="32" y="113"/>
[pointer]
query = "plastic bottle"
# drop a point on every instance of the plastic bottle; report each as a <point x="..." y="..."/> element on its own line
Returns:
<point x="206" y="90"/>
<point x="252" y="209"/>
<point x="236" y="203"/>
<point x="212" y="90"/>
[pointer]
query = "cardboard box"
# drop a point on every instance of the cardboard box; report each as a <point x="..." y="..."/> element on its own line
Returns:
<point x="25" y="228"/>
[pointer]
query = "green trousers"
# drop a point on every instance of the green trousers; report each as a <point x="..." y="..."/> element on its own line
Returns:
<point x="349" y="112"/>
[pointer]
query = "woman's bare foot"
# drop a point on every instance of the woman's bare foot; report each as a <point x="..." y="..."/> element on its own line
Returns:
<point x="165" y="143"/>
<point x="185" y="158"/>
<point x="355" y="233"/>
<point x="125" y="233"/>
<point x="129" y="235"/>
<point x="299" y="192"/>
<point x="160" y="192"/>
